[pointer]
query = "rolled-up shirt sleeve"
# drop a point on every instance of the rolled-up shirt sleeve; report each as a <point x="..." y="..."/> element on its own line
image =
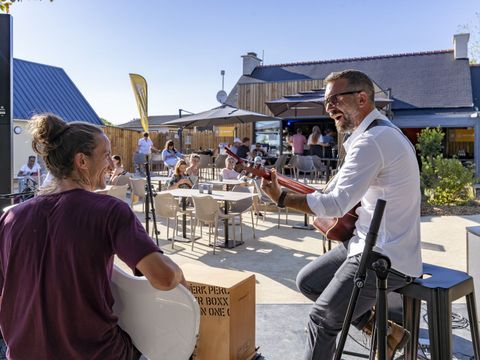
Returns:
<point x="362" y="164"/>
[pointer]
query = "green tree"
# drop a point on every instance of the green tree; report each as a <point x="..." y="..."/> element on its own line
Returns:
<point x="106" y="122"/>
<point x="5" y="5"/>
<point x="474" y="44"/>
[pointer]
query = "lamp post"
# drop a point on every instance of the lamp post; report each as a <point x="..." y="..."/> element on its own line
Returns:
<point x="180" y="130"/>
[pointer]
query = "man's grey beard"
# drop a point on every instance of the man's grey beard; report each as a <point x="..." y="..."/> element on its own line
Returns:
<point x="345" y="127"/>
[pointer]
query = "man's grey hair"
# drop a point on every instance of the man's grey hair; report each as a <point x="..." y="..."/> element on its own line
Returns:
<point x="357" y="80"/>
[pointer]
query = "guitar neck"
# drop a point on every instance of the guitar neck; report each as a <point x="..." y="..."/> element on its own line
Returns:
<point x="282" y="179"/>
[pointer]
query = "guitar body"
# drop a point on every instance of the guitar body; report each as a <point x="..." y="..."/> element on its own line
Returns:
<point x="162" y="324"/>
<point x="338" y="229"/>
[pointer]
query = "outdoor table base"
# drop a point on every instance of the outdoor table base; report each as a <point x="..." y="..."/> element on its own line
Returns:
<point x="305" y="225"/>
<point x="228" y="245"/>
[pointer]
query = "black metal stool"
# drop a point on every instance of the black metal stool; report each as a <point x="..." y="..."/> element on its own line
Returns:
<point x="439" y="291"/>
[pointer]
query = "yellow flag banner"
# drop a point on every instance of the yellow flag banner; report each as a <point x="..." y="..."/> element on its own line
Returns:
<point x="139" y="85"/>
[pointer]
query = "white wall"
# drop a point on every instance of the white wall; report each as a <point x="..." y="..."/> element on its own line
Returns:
<point x="22" y="146"/>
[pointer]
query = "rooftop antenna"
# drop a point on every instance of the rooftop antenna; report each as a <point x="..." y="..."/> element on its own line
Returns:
<point x="222" y="95"/>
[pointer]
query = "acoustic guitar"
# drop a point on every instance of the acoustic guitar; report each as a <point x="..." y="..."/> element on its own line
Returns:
<point x="161" y="324"/>
<point x="335" y="229"/>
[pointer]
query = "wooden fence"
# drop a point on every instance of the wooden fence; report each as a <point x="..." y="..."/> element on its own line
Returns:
<point x="124" y="141"/>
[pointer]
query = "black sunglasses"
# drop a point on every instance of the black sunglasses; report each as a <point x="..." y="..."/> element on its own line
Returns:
<point x="333" y="99"/>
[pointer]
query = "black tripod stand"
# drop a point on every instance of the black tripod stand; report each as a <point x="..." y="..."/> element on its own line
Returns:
<point x="381" y="265"/>
<point x="149" y="203"/>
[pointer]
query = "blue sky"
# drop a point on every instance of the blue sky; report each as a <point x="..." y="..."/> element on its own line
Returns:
<point x="181" y="46"/>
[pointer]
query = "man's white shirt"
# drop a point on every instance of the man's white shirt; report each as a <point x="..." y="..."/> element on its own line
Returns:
<point x="380" y="164"/>
<point x="145" y="146"/>
<point x="27" y="171"/>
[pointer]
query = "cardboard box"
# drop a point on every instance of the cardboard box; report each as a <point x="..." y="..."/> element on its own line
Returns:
<point x="227" y="308"/>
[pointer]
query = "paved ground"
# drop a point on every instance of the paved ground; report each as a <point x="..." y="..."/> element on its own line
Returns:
<point x="278" y="254"/>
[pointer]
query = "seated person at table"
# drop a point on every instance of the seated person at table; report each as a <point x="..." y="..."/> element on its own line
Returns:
<point x="193" y="170"/>
<point x="229" y="173"/>
<point x="180" y="179"/>
<point x="170" y="155"/>
<point x="117" y="169"/>
<point x="259" y="150"/>
<point x="30" y="168"/>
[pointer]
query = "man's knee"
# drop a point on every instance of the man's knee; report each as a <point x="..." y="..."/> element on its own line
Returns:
<point x="303" y="284"/>
<point x="326" y="320"/>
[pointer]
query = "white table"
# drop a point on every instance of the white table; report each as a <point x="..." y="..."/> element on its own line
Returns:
<point x="160" y="180"/>
<point x="218" y="195"/>
<point x="229" y="183"/>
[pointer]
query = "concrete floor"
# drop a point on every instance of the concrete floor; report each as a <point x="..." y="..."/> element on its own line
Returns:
<point x="277" y="254"/>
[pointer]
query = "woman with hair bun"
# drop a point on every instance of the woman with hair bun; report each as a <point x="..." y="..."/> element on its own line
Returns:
<point x="57" y="253"/>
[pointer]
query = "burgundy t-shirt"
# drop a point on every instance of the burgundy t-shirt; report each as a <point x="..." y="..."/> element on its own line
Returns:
<point x="56" y="258"/>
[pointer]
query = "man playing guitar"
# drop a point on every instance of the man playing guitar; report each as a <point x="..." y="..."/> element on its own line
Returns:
<point x="57" y="251"/>
<point x="380" y="163"/>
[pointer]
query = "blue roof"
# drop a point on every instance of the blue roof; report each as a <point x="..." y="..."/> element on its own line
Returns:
<point x="39" y="88"/>
<point x="417" y="80"/>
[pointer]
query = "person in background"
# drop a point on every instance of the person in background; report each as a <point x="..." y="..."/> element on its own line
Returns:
<point x="117" y="169"/>
<point x="328" y="142"/>
<point x="193" y="170"/>
<point x="244" y="149"/>
<point x="145" y="145"/>
<point x="314" y="141"/>
<point x="380" y="163"/>
<point x="170" y="155"/>
<point x="260" y="151"/>
<point x="298" y="142"/>
<point x="31" y="168"/>
<point x="180" y="178"/>
<point x="60" y="305"/>
<point x="229" y="173"/>
<point x="144" y="149"/>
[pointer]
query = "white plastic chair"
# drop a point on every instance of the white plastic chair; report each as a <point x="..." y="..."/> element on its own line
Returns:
<point x="237" y="208"/>
<point x="138" y="190"/>
<point x="304" y="164"/>
<point x="208" y="211"/>
<point x="122" y="179"/>
<point x="204" y="165"/>
<point x="166" y="206"/>
<point x="118" y="191"/>
<point x="265" y="202"/>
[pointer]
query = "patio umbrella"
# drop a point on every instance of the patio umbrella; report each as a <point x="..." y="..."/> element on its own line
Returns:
<point x="221" y="115"/>
<point x="311" y="103"/>
<point x="305" y="103"/>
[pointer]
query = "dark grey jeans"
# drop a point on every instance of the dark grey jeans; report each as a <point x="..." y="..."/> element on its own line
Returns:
<point x="328" y="281"/>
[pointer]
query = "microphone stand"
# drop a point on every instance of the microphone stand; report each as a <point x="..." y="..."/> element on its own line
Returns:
<point x="149" y="203"/>
<point x="381" y="265"/>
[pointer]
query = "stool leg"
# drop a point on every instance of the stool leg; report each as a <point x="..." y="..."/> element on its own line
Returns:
<point x="440" y="326"/>
<point x="472" y="317"/>
<point x="411" y="319"/>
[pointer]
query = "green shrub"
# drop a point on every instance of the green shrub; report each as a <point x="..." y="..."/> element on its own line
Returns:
<point x="443" y="181"/>
<point x="447" y="181"/>
<point x="430" y="142"/>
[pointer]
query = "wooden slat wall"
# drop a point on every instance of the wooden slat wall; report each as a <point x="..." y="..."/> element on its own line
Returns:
<point x="124" y="141"/>
<point x="253" y="96"/>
